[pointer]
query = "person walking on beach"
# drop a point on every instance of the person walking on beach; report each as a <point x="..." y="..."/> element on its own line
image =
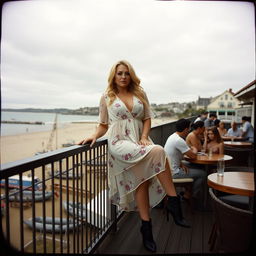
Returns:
<point x="139" y="172"/>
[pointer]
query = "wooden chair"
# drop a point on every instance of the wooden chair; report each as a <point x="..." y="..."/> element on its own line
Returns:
<point x="232" y="231"/>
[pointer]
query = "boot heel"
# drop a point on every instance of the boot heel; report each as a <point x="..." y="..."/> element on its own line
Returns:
<point x="173" y="207"/>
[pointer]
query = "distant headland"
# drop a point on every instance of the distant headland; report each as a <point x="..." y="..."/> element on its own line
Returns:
<point x="64" y="111"/>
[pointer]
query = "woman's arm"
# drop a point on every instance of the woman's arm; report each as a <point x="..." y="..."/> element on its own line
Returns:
<point x="100" y="131"/>
<point x="145" y="132"/>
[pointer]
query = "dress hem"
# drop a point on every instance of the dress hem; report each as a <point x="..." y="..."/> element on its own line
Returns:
<point x="133" y="190"/>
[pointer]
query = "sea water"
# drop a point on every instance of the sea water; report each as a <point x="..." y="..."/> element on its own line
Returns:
<point x="47" y="118"/>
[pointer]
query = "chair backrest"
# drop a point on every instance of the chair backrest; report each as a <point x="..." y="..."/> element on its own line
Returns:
<point x="241" y="156"/>
<point x="234" y="226"/>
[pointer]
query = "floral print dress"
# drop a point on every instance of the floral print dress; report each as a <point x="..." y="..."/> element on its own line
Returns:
<point x="130" y="164"/>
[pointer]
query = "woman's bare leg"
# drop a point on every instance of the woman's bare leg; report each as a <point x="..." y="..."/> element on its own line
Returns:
<point x="142" y="200"/>
<point x="165" y="179"/>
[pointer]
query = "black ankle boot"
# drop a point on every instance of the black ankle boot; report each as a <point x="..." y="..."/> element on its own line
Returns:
<point x="146" y="231"/>
<point x="173" y="206"/>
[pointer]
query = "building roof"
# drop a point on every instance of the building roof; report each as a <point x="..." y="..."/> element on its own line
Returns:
<point x="246" y="92"/>
<point x="203" y="101"/>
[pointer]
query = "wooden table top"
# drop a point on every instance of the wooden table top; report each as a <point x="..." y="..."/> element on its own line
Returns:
<point x="205" y="159"/>
<point x="227" y="138"/>
<point x="239" y="183"/>
<point x="239" y="144"/>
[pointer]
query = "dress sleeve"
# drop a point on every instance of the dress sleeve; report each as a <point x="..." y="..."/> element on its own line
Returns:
<point x="103" y="111"/>
<point x="148" y="113"/>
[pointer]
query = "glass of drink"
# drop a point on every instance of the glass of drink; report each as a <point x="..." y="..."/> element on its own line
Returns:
<point x="220" y="167"/>
<point x="210" y="152"/>
<point x="232" y="139"/>
<point x="203" y="151"/>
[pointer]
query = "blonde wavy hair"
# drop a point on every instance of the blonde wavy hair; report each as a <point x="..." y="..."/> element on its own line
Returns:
<point x="134" y="86"/>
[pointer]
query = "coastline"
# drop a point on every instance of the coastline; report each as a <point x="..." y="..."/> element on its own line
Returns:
<point x="20" y="146"/>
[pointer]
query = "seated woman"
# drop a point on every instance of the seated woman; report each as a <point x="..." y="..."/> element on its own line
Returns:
<point x="222" y="130"/>
<point x="213" y="142"/>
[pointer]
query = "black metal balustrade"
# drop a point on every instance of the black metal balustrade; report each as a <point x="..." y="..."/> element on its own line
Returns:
<point x="64" y="206"/>
<point x="77" y="214"/>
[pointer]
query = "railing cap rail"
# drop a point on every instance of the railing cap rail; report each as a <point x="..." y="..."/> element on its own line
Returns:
<point x="9" y="169"/>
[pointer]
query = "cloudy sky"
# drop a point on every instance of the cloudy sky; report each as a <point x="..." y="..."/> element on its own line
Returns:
<point x="59" y="53"/>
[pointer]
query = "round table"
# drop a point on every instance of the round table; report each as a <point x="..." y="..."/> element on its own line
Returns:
<point x="226" y="138"/>
<point x="239" y="183"/>
<point x="239" y="144"/>
<point x="206" y="159"/>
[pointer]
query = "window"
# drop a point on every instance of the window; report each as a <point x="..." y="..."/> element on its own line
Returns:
<point x="230" y="113"/>
<point x="230" y="105"/>
<point x="221" y="104"/>
<point x="231" y="98"/>
<point x="226" y="96"/>
<point x="222" y="113"/>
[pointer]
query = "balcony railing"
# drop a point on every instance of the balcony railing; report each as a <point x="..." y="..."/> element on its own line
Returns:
<point x="58" y="202"/>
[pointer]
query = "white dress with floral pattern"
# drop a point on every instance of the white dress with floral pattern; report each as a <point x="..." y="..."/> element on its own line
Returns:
<point x="130" y="164"/>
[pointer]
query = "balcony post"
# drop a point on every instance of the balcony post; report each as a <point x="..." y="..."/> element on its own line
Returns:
<point x="114" y="217"/>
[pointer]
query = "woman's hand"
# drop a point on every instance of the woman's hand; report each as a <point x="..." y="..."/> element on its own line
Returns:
<point x="91" y="139"/>
<point x="144" y="141"/>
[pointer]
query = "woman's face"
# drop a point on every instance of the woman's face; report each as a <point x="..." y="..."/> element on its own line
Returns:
<point x="122" y="76"/>
<point x="211" y="135"/>
<point x="221" y="125"/>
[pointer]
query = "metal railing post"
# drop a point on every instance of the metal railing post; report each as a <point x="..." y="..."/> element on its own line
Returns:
<point x="114" y="217"/>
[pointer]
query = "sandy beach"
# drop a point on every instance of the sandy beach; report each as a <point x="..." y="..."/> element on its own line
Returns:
<point x="21" y="146"/>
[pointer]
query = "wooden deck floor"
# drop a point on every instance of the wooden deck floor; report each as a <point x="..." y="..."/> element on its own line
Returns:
<point x="170" y="238"/>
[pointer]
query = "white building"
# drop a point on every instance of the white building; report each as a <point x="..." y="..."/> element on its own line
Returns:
<point x="224" y="106"/>
<point x="247" y="106"/>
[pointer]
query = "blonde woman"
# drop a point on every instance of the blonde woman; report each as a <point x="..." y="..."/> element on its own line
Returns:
<point x="139" y="173"/>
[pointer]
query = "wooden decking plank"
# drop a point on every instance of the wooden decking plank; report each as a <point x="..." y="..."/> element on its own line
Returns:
<point x="186" y="233"/>
<point x="197" y="233"/>
<point x="164" y="231"/>
<point x="208" y="221"/>
<point x="116" y="243"/>
<point x="169" y="237"/>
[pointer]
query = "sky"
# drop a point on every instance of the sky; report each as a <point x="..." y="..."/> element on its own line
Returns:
<point x="58" y="53"/>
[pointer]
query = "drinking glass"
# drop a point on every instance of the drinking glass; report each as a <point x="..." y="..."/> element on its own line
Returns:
<point x="220" y="167"/>
<point x="232" y="140"/>
<point x="203" y="151"/>
<point x="210" y="152"/>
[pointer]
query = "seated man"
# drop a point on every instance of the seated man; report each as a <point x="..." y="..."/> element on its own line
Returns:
<point x="248" y="131"/>
<point x="195" y="138"/>
<point x="175" y="148"/>
<point x="234" y="131"/>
